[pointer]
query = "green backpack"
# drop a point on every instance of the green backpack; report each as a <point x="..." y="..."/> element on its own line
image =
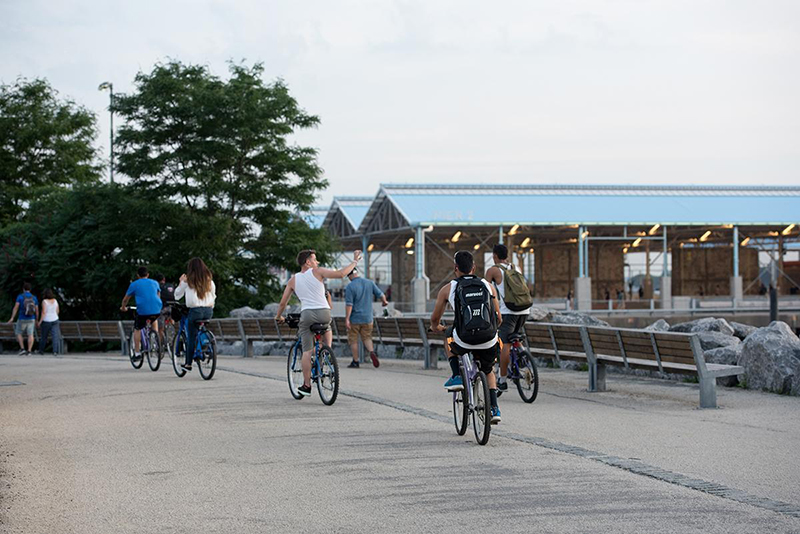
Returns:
<point x="517" y="295"/>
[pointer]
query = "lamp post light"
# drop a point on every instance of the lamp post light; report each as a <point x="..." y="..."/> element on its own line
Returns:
<point x="110" y="86"/>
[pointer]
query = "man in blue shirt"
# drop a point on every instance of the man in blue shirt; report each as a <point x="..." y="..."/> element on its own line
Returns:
<point x="358" y="300"/>
<point x="148" y="305"/>
<point x="28" y="308"/>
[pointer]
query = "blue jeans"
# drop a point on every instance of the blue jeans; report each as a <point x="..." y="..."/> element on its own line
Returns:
<point x="191" y="334"/>
<point x="50" y="328"/>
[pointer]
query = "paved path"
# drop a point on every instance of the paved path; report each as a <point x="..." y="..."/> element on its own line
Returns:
<point x="87" y="444"/>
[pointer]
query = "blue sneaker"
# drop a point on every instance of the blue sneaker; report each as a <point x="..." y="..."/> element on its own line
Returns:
<point x="454" y="384"/>
<point x="496" y="415"/>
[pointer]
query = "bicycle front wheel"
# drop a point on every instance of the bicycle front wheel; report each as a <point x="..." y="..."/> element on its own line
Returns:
<point x="328" y="378"/>
<point x="136" y="362"/>
<point x="460" y="412"/>
<point x="154" y="351"/>
<point x="528" y="381"/>
<point x="294" y="369"/>
<point x="179" y="354"/>
<point x="207" y="362"/>
<point x="481" y="409"/>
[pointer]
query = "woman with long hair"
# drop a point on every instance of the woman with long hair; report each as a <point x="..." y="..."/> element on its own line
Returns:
<point x="48" y="322"/>
<point x="201" y="293"/>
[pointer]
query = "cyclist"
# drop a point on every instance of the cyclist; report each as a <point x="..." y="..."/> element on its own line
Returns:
<point x="201" y="294"/>
<point x="167" y="298"/>
<point x="484" y="353"/>
<point x="148" y="305"/>
<point x="309" y="287"/>
<point x="512" y="289"/>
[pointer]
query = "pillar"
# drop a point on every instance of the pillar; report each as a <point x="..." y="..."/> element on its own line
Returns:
<point x="666" y="279"/>
<point x="583" y="294"/>
<point x="421" y="285"/>
<point x="737" y="285"/>
<point x="365" y="251"/>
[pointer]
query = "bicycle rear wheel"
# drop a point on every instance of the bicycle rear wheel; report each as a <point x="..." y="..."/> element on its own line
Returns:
<point x="528" y="382"/>
<point x="294" y="369"/>
<point x="207" y="362"/>
<point x="179" y="354"/>
<point x="154" y="351"/>
<point x="136" y="362"/>
<point x="481" y="409"/>
<point x="328" y="379"/>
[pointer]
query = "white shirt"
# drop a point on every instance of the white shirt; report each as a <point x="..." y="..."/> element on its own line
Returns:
<point x="452" y="300"/>
<point x="191" y="296"/>
<point x="501" y="292"/>
<point x="311" y="291"/>
<point x="49" y="310"/>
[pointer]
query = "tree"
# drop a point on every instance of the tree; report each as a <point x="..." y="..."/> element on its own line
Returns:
<point x="45" y="142"/>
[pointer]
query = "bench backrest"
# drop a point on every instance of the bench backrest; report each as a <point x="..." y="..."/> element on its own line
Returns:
<point x="659" y="347"/>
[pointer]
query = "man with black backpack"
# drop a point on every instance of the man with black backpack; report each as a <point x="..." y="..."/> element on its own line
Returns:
<point x="474" y="329"/>
<point x="515" y="304"/>
<point x="28" y="308"/>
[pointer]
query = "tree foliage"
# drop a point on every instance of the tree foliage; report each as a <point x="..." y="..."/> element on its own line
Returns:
<point x="45" y="142"/>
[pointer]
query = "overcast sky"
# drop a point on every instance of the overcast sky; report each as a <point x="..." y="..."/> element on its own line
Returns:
<point x="561" y="91"/>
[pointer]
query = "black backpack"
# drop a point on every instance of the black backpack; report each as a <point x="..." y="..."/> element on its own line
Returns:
<point x="475" y="318"/>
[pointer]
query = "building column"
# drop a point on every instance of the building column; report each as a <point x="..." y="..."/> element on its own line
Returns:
<point x="666" y="279"/>
<point x="365" y="251"/>
<point x="421" y="284"/>
<point x="583" y="284"/>
<point x="737" y="285"/>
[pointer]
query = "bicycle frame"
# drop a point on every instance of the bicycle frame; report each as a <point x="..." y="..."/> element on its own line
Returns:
<point x="184" y="328"/>
<point x="315" y="372"/>
<point x="470" y="371"/>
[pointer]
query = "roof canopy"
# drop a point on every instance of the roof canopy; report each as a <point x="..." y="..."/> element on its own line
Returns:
<point x="346" y="214"/>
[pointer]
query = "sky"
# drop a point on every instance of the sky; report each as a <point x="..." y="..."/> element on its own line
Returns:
<point x="513" y="91"/>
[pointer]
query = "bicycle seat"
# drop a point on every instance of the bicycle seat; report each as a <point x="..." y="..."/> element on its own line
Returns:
<point x="200" y="322"/>
<point x="319" y="328"/>
<point x="515" y="337"/>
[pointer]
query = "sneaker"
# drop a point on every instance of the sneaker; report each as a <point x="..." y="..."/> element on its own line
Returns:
<point x="354" y="365"/>
<point x="186" y="368"/>
<point x="496" y="415"/>
<point x="501" y="387"/>
<point x="304" y="390"/>
<point x="374" y="358"/>
<point x="22" y="352"/>
<point x="454" y="384"/>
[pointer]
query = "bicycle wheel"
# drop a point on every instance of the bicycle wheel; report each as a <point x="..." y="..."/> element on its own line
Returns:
<point x="179" y="354"/>
<point x="154" y="351"/>
<point x="207" y="362"/>
<point x="328" y="379"/>
<point x="460" y="412"/>
<point x="528" y="383"/>
<point x="482" y="410"/>
<point x="168" y="341"/>
<point x="136" y="362"/>
<point x="294" y="369"/>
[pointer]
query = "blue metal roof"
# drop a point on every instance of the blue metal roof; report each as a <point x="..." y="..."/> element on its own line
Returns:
<point x="315" y="216"/>
<point x="353" y="208"/>
<point x="482" y="205"/>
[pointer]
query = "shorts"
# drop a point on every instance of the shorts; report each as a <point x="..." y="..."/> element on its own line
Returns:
<point x="363" y="331"/>
<point x="141" y="320"/>
<point x="512" y="324"/>
<point x="485" y="358"/>
<point x="25" y="328"/>
<point x="307" y="318"/>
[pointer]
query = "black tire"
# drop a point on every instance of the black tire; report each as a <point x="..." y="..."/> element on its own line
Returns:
<point x="168" y="341"/>
<point x="482" y="409"/>
<point x="135" y="362"/>
<point x="528" y="384"/>
<point x="179" y="355"/>
<point x="154" y="353"/>
<point x="207" y="364"/>
<point x="294" y="370"/>
<point x="460" y="413"/>
<point x="328" y="379"/>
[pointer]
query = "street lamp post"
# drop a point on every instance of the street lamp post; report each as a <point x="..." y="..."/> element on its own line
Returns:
<point x="110" y="86"/>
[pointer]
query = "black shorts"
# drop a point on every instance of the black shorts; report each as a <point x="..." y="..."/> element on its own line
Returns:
<point x="512" y="324"/>
<point x="141" y="320"/>
<point x="485" y="358"/>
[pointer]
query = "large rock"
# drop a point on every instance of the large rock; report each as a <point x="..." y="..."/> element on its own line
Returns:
<point x="726" y="356"/>
<point x="540" y="315"/>
<point x="270" y="310"/>
<point x="577" y="318"/>
<point x="713" y="340"/>
<point x="771" y="358"/>
<point x="246" y="311"/>
<point x="742" y="330"/>
<point x="706" y="324"/>
<point x="659" y="326"/>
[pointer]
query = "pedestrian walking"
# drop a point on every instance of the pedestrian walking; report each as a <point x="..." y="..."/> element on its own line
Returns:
<point x="48" y="323"/>
<point x="358" y="297"/>
<point x="28" y="307"/>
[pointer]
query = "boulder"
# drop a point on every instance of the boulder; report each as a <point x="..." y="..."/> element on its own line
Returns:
<point x="771" y="358"/>
<point x="246" y="311"/>
<point x="270" y="310"/>
<point x="659" y="326"/>
<point x="706" y="324"/>
<point x="540" y="315"/>
<point x="713" y="340"/>
<point x="742" y="330"/>
<point x="577" y="318"/>
<point x="726" y="356"/>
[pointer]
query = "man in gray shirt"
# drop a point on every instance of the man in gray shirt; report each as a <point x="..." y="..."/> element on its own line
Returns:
<point x="358" y="297"/>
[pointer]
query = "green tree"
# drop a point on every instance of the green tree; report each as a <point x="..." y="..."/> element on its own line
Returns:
<point x="45" y="142"/>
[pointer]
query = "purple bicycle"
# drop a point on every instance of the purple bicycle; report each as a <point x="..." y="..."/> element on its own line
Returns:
<point x="472" y="400"/>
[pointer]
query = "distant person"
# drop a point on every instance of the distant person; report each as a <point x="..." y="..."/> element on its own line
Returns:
<point x="28" y="307"/>
<point x="48" y="323"/>
<point x="167" y="294"/>
<point x="358" y="297"/>
<point x="197" y="285"/>
<point x="608" y="294"/>
<point x="148" y="305"/>
<point x="641" y="292"/>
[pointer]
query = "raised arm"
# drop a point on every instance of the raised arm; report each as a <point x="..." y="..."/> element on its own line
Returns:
<point x="287" y="294"/>
<point x="322" y="272"/>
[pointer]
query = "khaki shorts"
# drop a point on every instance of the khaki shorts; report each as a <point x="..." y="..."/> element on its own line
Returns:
<point x="364" y="331"/>
<point x="25" y="328"/>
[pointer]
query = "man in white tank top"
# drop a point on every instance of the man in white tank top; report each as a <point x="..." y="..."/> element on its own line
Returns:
<point x="513" y="321"/>
<point x="308" y="285"/>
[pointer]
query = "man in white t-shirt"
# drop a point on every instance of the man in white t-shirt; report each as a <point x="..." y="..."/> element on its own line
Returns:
<point x="513" y="321"/>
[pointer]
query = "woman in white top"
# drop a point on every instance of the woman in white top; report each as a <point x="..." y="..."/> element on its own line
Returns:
<point x="48" y="322"/>
<point x="314" y="308"/>
<point x="201" y="294"/>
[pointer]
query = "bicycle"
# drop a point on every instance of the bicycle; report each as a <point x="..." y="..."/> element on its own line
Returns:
<point x="324" y="367"/>
<point x="149" y="344"/>
<point x="205" y="346"/>
<point x="522" y="370"/>
<point x="472" y="400"/>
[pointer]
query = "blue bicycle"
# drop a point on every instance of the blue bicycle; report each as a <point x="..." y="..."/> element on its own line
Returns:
<point x="205" y="347"/>
<point x="324" y="367"/>
<point x="522" y="369"/>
